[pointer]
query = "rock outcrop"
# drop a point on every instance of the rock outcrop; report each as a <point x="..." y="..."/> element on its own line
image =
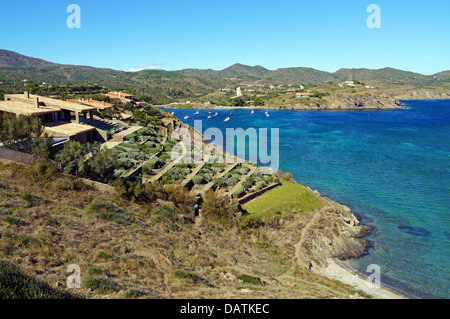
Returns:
<point x="332" y="232"/>
<point x="349" y="101"/>
<point x="423" y="95"/>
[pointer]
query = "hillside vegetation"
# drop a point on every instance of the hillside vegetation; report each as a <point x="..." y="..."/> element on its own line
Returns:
<point x="164" y="86"/>
<point x="127" y="249"/>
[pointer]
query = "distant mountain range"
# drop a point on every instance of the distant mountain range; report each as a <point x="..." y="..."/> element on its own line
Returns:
<point x="192" y="82"/>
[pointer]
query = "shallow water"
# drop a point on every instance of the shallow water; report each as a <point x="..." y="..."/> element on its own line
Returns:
<point x="391" y="167"/>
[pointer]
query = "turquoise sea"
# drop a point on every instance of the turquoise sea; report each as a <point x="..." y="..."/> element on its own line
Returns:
<point x="392" y="168"/>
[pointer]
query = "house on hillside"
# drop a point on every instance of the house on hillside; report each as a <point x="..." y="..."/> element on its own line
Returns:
<point x="60" y="119"/>
<point x="302" y="95"/>
<point x="120" y="97"/>
<point x="348" y="84"/>
<point x="99" y="105"/>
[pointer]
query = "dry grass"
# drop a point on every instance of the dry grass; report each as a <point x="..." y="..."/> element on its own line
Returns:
<point x="138" y="253"/>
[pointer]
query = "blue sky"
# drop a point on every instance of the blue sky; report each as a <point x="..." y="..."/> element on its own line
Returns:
<point x="174" y="34"/>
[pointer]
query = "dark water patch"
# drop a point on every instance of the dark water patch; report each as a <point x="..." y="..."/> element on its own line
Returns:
<point x="415" y="231"/>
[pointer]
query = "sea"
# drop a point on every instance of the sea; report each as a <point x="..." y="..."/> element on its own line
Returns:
<point x="391" y="167"/>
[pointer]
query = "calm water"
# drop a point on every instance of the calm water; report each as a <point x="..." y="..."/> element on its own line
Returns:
<point x="390" y="167"/>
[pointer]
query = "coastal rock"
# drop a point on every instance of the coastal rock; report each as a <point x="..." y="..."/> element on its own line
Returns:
<point x="332" y="232"/>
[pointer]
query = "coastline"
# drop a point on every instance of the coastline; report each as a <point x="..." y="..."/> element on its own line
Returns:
<point x="343" y="272"/>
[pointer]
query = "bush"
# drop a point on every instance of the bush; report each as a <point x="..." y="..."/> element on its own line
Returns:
<point x="13" y="221"/>
<point x="70" y="183"/>
<point x="198" y="179"/>
<point x="154" y="163"/>
<point x="28" y="197"/>
<point x="218" y="208"/>
<point x="238" y="192"/>
<point x="247" y="279"/>
<point x="134" y="293"/>
<point x="187" y="275"/>
<point x="166" y="214"/>
<point x="108" y="211"/>
<point x="94" y="271"/>
<point x="100" y="283"/>
<point x="15" y="284"/>
<point x="39" y="172"/>
<point x="131" y="137"/>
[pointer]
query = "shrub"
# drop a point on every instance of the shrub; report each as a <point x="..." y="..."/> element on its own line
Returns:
<point x="108" y="211"/>
<point x="39" y="172"/>
<point x="94" y="271"/>
<point x="70" y="183"/>
<point x="28" y="197"/>
<point x="217" y="208"/>
<point x="166" y="214"/>
<point x="15" y="284"/>
<point x="131" y="137"/>
<point x="13" y="221"/>
<point x="154" y="163"/>
<point x="187" y="275"/>
<point x="100" y="283"/>
<point x="247" y="279"/>
<point x="198" y="179"/>
<point x="134" y="293"/>
<point x="238" y="192"/>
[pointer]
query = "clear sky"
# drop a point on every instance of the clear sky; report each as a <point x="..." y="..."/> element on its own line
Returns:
<point x="177" y="34"/>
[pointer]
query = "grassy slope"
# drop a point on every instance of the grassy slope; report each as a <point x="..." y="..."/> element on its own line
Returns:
<point x="286" y="199"/>
<point x="145" y="251"/>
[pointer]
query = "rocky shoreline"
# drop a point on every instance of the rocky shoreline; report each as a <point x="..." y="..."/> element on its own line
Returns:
<point x="350" y="101"/>
<point x="333" y="236"/>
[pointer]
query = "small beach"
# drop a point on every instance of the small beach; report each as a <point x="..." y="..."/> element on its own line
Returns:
<point x="342" y="272"/>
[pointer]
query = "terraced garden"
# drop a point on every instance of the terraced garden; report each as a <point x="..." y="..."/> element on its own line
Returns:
<point x="147" y="154"/>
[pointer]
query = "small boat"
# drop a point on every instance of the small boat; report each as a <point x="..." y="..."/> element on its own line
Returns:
<point x="186" y="117"/>
<point x="216" y="114"/>
<point x="227" y="119"/>
<point x="252" y="112"/>
<point x="267" y="114"/>
<point x="209" y="116"/>
<point x="197" y="113"/>
<point x="232" y="114"/>
<point x="172" y="113"/>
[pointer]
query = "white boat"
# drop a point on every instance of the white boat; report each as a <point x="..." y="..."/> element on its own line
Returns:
<point x="186" y="117"/>
<point x="209" y="116"/>
<point x="215" y="114"/>
<point x="227" y="119"/>
<point x="267" y="114"/>
<point x="197" y="113"/>
<point x="252" y="112"/>
<point x="172" y="113"/>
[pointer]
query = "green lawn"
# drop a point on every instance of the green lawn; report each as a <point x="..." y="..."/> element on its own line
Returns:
<point x="287" y="198"/>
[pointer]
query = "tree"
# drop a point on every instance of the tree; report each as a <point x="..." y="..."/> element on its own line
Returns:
<point x="257" y="101"/>
<point x="71" y="154"/>
<point x="218" y="208"/>
<point x="42" y="145"/>
<point x="237" y="101"/>
<point x="18" y="132"/>
<point x="100" y="165"/>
